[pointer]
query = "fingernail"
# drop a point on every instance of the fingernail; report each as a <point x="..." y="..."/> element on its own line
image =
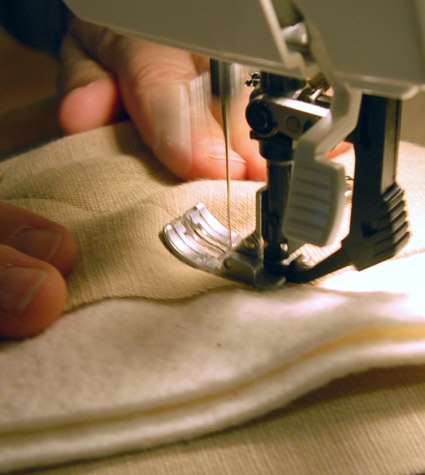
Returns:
<point x="216" y="150"/>
<point x="40" y="243"/>
<point x="170" y="109"/>
<point x="18" y="286"/>
<point x="80" y="88"/>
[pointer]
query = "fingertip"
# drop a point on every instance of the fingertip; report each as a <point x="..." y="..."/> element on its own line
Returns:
<point x="256" y="164"/>
<point x="249" y="149"/>
<point x="90" y="106"/>
<point x="67" y="251"/>
<point x="37" y="237"/>
<point x="44" y="309"/>
<point x="215" y="171"/>
<point x="33" y="295"/>
<point x="209" y="161"/>
<point x="339" y="150"/>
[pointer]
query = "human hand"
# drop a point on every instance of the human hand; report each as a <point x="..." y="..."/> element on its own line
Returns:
<point x="35" y="254"/>
<point x="104" y="74"/>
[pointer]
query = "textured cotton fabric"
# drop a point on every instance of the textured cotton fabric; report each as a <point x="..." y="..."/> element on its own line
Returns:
<point x="152" y="351"/>
<point x="115" y="198"/>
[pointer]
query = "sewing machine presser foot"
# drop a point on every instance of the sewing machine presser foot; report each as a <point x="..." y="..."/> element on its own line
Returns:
<point x="201" y="241"/>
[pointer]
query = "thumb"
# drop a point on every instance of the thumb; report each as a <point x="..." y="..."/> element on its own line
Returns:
<point x="90" y="95"/>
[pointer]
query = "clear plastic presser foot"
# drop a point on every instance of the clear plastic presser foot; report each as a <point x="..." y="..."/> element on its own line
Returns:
<point x="200" y="240"/>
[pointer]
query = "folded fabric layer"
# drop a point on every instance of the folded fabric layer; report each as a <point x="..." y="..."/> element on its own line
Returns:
<point x="128" y="373"/>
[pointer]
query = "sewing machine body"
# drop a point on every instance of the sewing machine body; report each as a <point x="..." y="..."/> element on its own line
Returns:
<point x="377" y="45"/>
<point x="372" y="53"/>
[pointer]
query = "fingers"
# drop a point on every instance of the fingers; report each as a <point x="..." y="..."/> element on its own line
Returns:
<point x="208" y="151"/>
<point x="339" y="150"/>
<point x="91" y="97"/>
<point x="37" y="237"/>
<point x="242" y="142"/>
<point x="34" y="253"/>
<point x="32" y="294"/>
<point x="157" y="89"/>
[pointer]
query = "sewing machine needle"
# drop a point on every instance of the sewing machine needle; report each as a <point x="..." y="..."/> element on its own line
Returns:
<point x="222" y="88"/>
<point x="225" y="111"/>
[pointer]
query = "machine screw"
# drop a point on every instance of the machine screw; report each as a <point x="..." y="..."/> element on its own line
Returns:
<point x="250" y="243"/>
<point x="260" y="118"/>
<point x="227" y="263"/>
<point x="293" y="125"/>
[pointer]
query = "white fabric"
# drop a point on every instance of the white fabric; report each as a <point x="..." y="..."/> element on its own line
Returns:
<point x="130" y="373"/>
<point x="127" y="374"/>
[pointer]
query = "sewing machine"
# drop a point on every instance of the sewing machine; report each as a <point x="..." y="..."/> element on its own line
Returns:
<point x="370" y="52"/>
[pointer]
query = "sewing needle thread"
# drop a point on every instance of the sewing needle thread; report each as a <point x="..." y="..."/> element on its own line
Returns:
<point x="221" y="87"/>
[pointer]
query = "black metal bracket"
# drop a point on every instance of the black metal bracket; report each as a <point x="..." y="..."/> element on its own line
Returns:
<point x="378" y="226"/>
